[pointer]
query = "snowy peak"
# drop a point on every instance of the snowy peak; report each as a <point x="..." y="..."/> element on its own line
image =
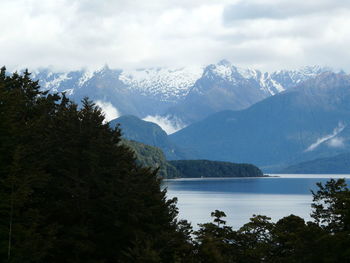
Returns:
<point x="164" y="83"/>
<point x="169" y="84"/>
<point x="187" y="93"/>
<point x="58" y="81"/>
<point x="225" y="71"/>
<point x="271" y="84"/>
<point x="292" y="78"/>
<point x="173" y="84"/>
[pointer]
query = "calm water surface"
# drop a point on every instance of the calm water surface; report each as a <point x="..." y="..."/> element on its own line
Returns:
<point x="240" y="198"/>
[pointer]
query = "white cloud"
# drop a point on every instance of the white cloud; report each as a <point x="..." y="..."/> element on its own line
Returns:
<point x="337" y="142"/>
<point x="329" y="138"/>
<point x="266" y="34"/>
<point x="166" y="123"/>
<point x="280" y="9"/>
<point x="108" y="109"/>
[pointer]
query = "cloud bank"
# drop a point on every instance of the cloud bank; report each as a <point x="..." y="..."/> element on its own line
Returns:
<point x="265" y="34"/>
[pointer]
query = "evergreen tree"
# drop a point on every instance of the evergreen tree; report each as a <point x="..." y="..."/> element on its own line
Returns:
<point x="70" y="192"/>
<point x="331" y="206"/>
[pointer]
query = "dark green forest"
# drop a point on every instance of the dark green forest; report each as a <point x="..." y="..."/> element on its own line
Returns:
<point x="206" y="168"/>
<point x="153" y="157"/>
<point x="70" y="191"/>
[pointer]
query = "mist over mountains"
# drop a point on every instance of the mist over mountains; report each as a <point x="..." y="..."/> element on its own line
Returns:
<point x="222" y="112"/>
<point x="174" y="97"/>
<point x="151" y="134"/>
<point x="304" y="123"/>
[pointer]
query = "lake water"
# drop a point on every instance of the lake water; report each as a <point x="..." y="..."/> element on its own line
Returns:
<point x="240" y="198"/>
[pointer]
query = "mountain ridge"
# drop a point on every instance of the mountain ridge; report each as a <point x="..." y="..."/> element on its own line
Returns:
<point x="338" y="164"/>
<point x="149" y="133"/>
<point x="280" y="129"/>
<point x="188" y="94"/>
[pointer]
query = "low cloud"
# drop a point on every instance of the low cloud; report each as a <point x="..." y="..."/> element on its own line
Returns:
<point x="108" y="109"/>
<point x="330" y="139"/>
<point x="337" y="142"/>
<point x="169" y="125"/>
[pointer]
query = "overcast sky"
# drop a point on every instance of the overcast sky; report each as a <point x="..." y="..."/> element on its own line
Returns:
<point x="264" y="34"/>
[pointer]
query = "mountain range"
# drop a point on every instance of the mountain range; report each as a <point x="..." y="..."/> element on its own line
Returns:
<point x="273" y="120"/>
<point x="181" y="95"/>
<point x="303" y="123"/>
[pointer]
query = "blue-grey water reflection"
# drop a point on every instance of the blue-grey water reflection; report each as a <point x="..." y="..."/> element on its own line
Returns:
<point x="240" y="198"/>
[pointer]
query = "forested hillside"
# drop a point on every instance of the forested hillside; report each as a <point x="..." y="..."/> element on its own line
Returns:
<point x="205" y="168"/>
<point x="151" y="134"/>
<point x="152" y="157"/>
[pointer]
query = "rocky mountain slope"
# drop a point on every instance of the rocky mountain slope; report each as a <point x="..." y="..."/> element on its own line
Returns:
<point x="303" y="123"/>
<point x="182" y="94"/>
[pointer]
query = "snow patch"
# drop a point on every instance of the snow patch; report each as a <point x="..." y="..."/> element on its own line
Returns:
<point x="55" y="83"/>
<point x="328" y="137"/>
<point x="69" y="92"/>
<point x="169" y="125"/>
<point x="108" y="109"/>
<point x="85" y="77"/>
<point x="224" y="71"/>
<point x="248" y="73"/>
<point x="166" y="83"/>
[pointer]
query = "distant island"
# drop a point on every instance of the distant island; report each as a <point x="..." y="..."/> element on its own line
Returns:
<point x="150" y="156"/>
<point x="206" y="168"/>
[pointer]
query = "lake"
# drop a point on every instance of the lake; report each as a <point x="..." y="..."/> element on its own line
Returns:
<point x="240" y="198"/>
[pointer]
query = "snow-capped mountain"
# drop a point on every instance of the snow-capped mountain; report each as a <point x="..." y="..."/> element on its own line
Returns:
<point x="166" y="84"/>
<point x="187" y="94"/>
<point x="224" y="86"/>
<point x="227" y="71"/>
<point x="301" y="124"/>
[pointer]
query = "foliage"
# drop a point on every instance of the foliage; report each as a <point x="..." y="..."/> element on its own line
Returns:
<point x="69" y="191"/>
<point x="290" y="239"/>
<point x="206" y="168"/>
<point x="332" y="206"/>
<point x="149" y="133"/>
<point x="150" y="156"/>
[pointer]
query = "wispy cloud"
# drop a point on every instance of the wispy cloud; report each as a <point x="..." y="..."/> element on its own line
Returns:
<point x="169" y="125"/>
<point x="108" y="109"/>
<point x="330" y="138"/>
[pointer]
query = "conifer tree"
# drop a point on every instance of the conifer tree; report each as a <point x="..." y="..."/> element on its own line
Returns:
<point x="70" y="192"/>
